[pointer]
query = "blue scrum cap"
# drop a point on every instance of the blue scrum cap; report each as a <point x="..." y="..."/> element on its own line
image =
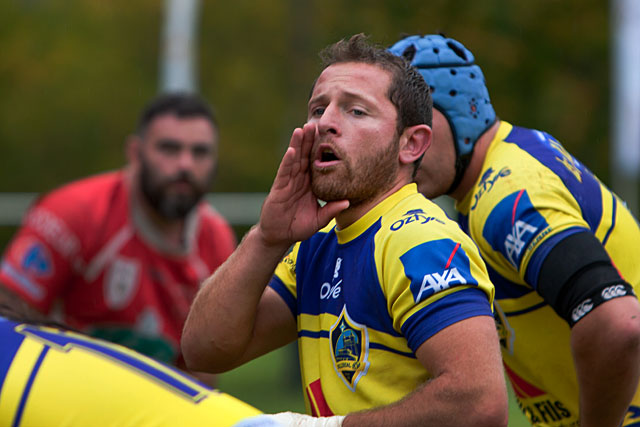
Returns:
<point x="457" y="88"/>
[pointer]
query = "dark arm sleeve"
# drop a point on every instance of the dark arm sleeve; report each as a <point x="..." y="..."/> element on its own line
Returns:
<point x="577" y="275"/>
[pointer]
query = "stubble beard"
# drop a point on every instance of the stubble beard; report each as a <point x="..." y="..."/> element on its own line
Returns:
<point x="370" y="176"/>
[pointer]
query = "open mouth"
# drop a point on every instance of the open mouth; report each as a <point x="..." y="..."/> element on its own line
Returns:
<point x="326" y="157"/>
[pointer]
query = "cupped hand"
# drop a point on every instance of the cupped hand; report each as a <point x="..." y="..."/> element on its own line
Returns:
<point x="291" y="211"/>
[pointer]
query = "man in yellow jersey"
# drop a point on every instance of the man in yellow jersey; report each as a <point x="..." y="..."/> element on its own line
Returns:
<point x="50" y="376"/>
<point x="388" y="299"/>
<point x="560" y="247"/>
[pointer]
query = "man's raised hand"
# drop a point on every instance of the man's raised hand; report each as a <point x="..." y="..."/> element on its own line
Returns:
<point x="291" y="211"/>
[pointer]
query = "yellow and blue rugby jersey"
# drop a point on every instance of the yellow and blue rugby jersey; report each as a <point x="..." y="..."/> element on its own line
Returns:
<point x="50" y="377"/>
<point x="531" y="194"/>
<point x="366" y="297"/>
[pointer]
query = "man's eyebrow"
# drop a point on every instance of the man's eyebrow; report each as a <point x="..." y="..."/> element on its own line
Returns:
<point x="353" y="96"/>
<point x="169" y="141"/>
<point x="317" y="99"/>
<point x="349" y="96"/>
<point x="175" y="141"/>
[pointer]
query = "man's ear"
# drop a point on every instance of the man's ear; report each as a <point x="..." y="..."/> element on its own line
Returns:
<point x="414" y="141"/>
<point x="132" y="148"/>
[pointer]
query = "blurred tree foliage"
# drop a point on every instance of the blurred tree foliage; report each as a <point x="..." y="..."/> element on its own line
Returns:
<point x="74" y="74"/>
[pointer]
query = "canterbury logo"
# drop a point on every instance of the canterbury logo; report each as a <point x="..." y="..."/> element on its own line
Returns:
<point x="580" y="311"/>
<point x="514" y="242"/>
<point x="613" y="292"/>
<point x="432" y="283"/>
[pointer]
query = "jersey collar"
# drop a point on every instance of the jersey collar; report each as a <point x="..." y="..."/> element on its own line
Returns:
<point x="464" y="205"/>
<point x="357" y="228"/>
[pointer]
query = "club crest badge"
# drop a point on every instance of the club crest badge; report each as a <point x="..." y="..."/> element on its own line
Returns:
<point x="121" y="283"/>
<point x="349" y="349"/>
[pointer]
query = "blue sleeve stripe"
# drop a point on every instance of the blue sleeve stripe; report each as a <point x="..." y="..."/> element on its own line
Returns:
<point x="433" y="318"/>
<point x="313" y="334"/>
<point x="27" y="388"/>
<point x="392" y="350"/>
<point x="614" y="209"/>
<point x="372" y="345"/>
<point x="277" y="285"/>
<point x="538" y="257"/>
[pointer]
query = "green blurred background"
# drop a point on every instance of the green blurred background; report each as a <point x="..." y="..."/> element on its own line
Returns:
<point x="75" y="74"/>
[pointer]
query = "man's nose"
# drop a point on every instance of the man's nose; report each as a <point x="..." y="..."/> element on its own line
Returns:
<point x="329" y="122"/>
<point x="186" y="160"/>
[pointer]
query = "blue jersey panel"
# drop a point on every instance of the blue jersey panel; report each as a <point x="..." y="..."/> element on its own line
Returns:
<point x="576" y="177"/>
<point x="326" y="282"/>
<point x="10" y="341"/>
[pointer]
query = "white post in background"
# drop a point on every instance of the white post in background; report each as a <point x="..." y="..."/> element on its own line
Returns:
<point x="625" y="119"/>
<point x="178" y="54"/>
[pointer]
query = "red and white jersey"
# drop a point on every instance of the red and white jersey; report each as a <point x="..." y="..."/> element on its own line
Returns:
<point x="89" y="250"/>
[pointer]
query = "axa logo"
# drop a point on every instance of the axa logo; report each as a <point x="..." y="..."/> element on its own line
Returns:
<point x="332" y="290"/>
<point x="414" y="215"/>
<point x="515" y="240"/>
<point x="580" y="311"/>
<point x="613" y="292"/>
<point x="436" y="282"/>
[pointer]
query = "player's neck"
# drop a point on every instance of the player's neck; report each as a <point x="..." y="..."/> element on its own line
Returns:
<point x="171" y="229"/>
<point x="356" y="211"/>
<point x="477" y="159"/>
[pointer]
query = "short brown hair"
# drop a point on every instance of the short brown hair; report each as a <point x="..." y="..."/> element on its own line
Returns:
<point x="408" y="91"/>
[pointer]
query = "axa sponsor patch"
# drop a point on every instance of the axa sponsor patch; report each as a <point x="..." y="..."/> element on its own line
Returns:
<point x="436" y="266"/>
<point x="512" y="226"/>
<point x="34" y="258"/>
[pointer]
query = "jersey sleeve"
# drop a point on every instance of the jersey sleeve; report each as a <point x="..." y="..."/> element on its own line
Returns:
<point x="525" y="225"/>
<point x="39" y="260"/>
<point x="435" y="283"/>
<point x="284" y="279"/>
<point x="541" y="196"/>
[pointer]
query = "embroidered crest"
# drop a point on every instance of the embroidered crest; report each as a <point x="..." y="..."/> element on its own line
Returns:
<point x="349" y="349"/>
